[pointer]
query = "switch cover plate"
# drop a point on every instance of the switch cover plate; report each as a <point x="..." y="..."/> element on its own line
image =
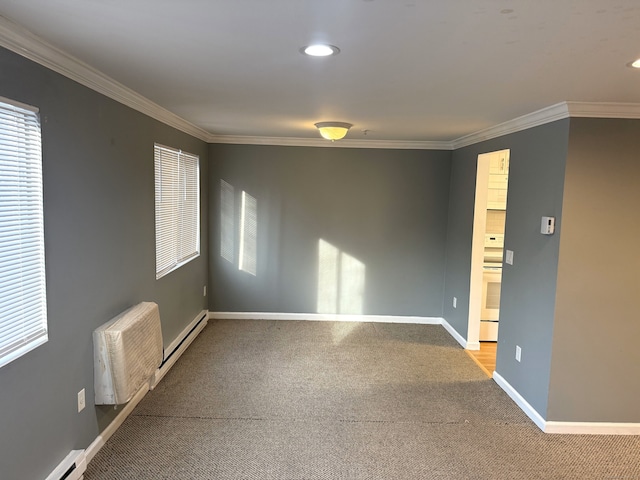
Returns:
<point x="509" y="257"/>
<point x="81" y="400"/>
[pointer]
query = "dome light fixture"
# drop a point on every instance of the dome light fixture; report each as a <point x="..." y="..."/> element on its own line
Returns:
<point x="634" y="64"/>
<point x="333" y="130"/>
<point x="320" y="50"/>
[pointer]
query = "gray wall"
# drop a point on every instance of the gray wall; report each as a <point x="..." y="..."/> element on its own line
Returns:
<point x="536" y="178"/>
<point x="100" y="259"/>
<point x="387" y="208"/>
<point x="398" y="212"/>
<point x="595" y="360"/>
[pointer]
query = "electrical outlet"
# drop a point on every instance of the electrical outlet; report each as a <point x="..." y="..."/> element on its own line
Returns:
<point x="518" y="353"/>
<point x="204" y="292"/>
<point x="455" y="302"/>
<point x="81" y="400"/>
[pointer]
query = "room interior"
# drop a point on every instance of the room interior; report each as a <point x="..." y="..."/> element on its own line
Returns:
<point x="390" y="207"/>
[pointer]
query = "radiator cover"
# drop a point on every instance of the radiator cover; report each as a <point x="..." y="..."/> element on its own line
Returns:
<point x="127" y="352"/>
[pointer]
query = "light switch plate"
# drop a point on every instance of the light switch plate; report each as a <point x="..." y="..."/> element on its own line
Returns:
<point x="81" y="400"/>
<point x="509" y="257"/>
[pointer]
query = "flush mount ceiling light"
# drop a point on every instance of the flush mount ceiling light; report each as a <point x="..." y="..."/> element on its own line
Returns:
<point x="635" y="64"/>
<point x="320" y="50"/>
<point x="333" y="130"/>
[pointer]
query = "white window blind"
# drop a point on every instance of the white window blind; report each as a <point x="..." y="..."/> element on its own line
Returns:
<point x="177" y="186"/>
<point x="23" y="299"/>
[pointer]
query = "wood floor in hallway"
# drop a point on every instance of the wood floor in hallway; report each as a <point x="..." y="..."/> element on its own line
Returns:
<point x="486" y="356"/>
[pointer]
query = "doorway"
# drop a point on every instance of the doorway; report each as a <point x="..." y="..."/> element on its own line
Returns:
<point x="487" y="248"/>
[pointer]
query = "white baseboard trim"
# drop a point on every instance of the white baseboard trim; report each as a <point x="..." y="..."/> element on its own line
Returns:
<point x="106" y="434"/>
<point x="592" y="428"/>
<point x="183" y="334"/>
<point x="71" y="468"/>
<point x="179" y="345"/>
<point x="459" y="338"/>
<point x="520" y="401"/>
<point x="173" y="353"/>
<point x="473" y="346"/>
<point x="322" y="317"/>
<point x="567" y="428"/>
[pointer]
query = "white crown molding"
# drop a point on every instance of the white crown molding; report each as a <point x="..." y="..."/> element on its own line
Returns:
<point x="551" y="114"/>
<point x="524" y="122"/>
<point x="319" y="142"/>
<point x="543" y="116"/>
<point x="604" y="110"/>
<point x="21" y="41"/>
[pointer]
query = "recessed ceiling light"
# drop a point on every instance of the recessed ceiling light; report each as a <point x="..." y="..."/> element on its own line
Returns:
<point x="320" y="50"/>
<point x="635" y="64"/>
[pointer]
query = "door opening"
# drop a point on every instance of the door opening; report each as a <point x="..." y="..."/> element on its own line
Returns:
<point x="487" y="247"/>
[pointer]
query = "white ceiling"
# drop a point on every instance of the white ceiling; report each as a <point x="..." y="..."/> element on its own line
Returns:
<point x="409" y="70"/>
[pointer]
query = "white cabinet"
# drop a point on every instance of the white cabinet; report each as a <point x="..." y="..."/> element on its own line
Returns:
<point x="491" y="282"/>
<point x="497" y="199"/>
<point x="498" y="181"/>
<point x="488" y="331"/>
<point x="490" y="309"/>
<point x="499" y="164"/>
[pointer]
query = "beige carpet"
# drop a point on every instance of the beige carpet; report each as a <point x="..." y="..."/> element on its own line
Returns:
<point x="321" y="400"/>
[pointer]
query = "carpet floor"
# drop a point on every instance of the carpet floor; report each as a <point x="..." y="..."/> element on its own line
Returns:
<point x="337" y="400"/>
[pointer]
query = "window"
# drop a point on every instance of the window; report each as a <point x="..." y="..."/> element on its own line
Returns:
<point x="177" y="176"/>
<point x="23" y="297"/>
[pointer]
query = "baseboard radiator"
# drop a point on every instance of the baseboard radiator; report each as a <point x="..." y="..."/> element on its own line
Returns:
<point x="127" y="353"/>
<point x="71" y="468"/>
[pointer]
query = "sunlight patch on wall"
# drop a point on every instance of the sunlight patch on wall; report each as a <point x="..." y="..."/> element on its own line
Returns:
<point x="328" y="258"/>
<point x="352" y="275"/>
<point x="248" y="234"/>
<point x="238" y="220"/>
<point x="227" y="219"/>
<point x="341" y="281"/>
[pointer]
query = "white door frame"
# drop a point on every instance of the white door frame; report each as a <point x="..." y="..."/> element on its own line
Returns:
<point x="477" y="247"/>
